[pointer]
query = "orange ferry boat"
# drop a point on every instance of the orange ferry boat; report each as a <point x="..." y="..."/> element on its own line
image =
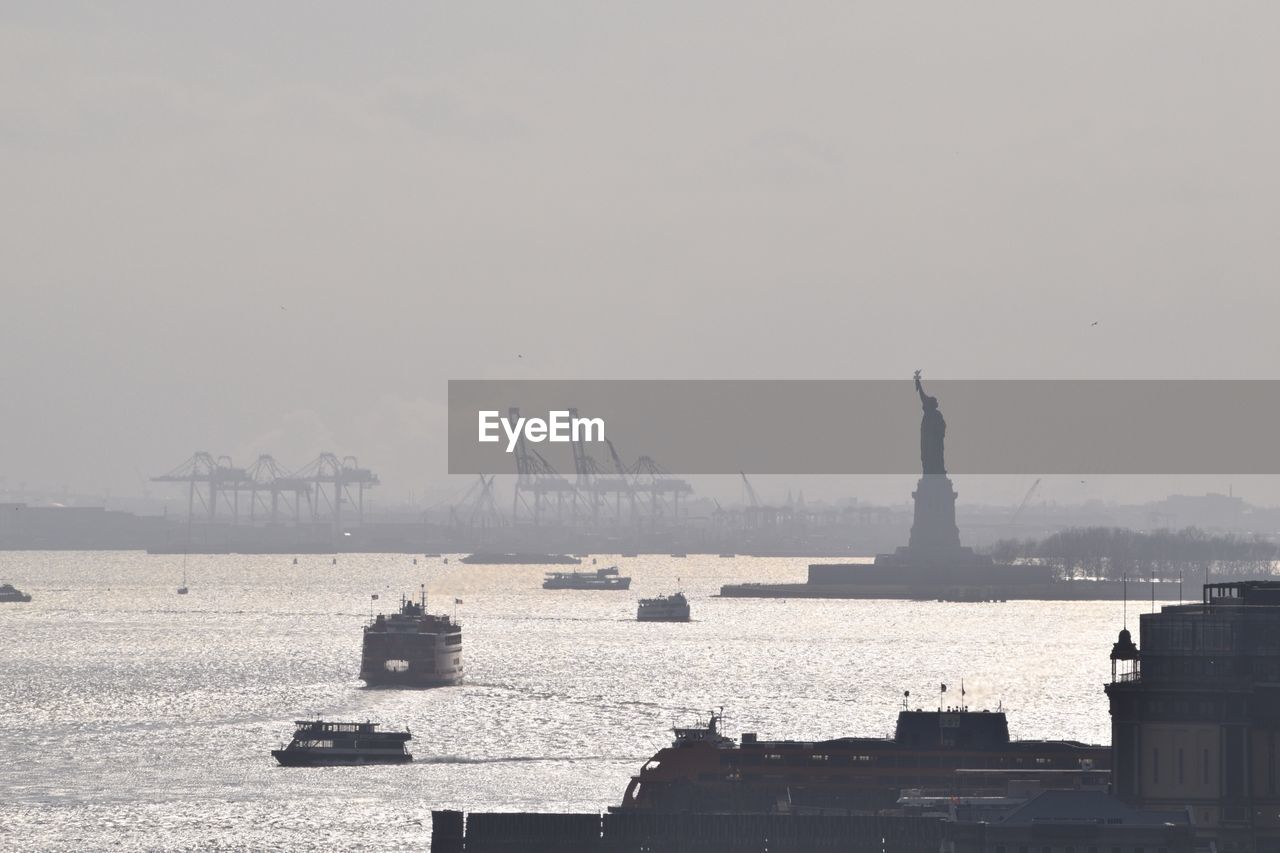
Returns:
<point x="952" y="750"/>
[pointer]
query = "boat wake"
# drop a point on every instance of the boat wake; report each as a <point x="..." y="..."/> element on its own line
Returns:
<point x="522" y="759"/>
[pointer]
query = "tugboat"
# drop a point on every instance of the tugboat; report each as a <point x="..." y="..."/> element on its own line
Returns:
<point x="962" y="752"/>
<point x="9" y="594"/>
<point x="599" y="579"/>
<point x="664" y="608"/>
<point x="412" y="648"/>
<point x="319" y="744"/>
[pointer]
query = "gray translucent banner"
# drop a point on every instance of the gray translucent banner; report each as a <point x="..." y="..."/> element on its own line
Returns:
<point x="874" y="426"/>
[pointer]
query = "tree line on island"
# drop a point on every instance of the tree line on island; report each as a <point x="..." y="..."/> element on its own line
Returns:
<point x="1112" y="553"/>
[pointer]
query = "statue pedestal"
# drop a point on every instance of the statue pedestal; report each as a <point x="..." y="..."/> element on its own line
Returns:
<point x="934" y="552"/>
<point x="934" y="527"/>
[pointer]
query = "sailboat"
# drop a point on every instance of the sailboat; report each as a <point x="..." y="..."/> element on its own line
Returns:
<point x="182" y="590"/>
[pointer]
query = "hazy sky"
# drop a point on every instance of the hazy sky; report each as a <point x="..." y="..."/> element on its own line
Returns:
<point x="282" y="227"/>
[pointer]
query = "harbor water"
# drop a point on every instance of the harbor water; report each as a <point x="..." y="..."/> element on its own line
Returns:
<point x="132" y="718"/>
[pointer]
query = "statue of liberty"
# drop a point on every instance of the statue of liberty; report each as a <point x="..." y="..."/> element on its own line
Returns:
<point x="933" y="429"/>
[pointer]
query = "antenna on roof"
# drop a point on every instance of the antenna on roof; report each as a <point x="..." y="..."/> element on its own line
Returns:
<point x="1124" y="585"/>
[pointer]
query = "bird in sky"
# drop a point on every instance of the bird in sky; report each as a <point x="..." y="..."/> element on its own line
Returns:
<point x="1094" y="323"/>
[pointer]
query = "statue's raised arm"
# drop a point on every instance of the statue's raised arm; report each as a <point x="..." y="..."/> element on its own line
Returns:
<point x="920" y="388"/>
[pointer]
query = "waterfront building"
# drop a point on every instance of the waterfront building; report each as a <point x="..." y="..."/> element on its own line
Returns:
<point x="1195" y="714"/>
